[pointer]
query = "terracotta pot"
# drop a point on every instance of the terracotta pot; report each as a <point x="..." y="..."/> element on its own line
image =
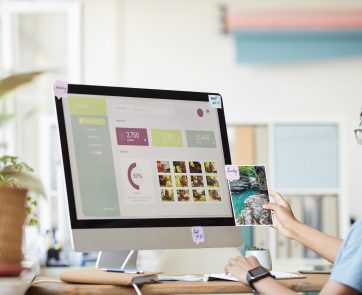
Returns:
<point x="12" y="218"/>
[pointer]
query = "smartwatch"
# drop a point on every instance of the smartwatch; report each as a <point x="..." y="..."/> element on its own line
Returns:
<point x="257" y="274"/>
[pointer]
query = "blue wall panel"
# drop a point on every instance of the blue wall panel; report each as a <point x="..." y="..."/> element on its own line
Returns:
<point x="306" y="156"/>
<point x="275" y="46"/>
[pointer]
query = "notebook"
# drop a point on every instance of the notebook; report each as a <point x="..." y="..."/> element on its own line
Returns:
<point x="279" y="275"/>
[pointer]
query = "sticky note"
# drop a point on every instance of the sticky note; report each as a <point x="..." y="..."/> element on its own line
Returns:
<point x="215" y="101"/>
<point x="60" y="89"/>
<point x="198" y="234"/>
<point x="232" y="172"/>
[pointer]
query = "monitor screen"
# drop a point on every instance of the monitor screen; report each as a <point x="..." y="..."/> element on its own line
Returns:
<point x="143" y="158"/>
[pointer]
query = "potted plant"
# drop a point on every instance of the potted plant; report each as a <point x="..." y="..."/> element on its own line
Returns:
<point x="15" y="181"/>
<point x="263" y="256"/>
<point x="16" y="205"/>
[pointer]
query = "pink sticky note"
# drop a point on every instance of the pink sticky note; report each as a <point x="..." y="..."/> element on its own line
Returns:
<point x="232" y="172"/>
<point x="60" y="89"/>
<point x="198" y="234"/>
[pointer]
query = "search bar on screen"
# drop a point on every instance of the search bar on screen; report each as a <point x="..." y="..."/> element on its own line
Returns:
<point x="144" y="110"/>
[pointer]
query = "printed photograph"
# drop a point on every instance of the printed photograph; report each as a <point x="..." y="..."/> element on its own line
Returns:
<point x="248" y="195"/>
<point x="197" y="181"/>
<point x="181" y="181"/>
<point x="179" y="166"/>
<point x="195" y="167"/>
<point x="165" y="180"/>
<point x="167" y="195"/>
<point x="212" y="181"/>
<point x="183" y="195"/>
<point x="163" y="166"/>
<point x="210" y="167"/>
<point x="199" y="195"/>
<point x="214" y="195"/>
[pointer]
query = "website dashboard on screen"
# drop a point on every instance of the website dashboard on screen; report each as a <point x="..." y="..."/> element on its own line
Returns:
<point x="145" y="158"/>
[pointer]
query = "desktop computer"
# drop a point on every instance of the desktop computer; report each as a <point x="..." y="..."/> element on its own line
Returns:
<point x="144" y="169"/>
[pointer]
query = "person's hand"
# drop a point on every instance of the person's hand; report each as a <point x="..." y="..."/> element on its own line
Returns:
<point x="283" y="217"/>
<point x="239" y="266"/>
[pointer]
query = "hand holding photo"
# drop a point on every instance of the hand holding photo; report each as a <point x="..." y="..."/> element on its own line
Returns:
<point x="248" y="195"/>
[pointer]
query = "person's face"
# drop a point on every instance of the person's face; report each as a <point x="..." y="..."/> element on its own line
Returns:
<point x="358" y="131"/>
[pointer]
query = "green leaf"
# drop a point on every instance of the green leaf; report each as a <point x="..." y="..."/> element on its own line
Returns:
<point x="33" y="221"/>
<point x="16" y="173"/>
<point x="4" y="118"/>
<point x="12" y="82"/>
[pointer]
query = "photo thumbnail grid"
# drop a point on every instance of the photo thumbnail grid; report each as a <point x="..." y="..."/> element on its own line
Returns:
<point x="188" y="181"/>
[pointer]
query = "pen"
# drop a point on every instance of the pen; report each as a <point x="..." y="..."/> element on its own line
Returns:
<point x="123" y="270"/>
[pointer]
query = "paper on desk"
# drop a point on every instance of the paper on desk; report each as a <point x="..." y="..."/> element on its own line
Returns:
<point x="185" y="278"/>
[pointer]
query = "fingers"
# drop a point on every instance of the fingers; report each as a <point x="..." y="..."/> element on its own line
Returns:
<point x="271" y="206"/>
<point x="278" y="198"/>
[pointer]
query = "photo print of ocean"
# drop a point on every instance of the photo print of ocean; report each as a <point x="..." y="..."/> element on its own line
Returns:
<point x="248" y="195"/>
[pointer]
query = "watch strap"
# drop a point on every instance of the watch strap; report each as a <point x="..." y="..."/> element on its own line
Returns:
<point x="251" y="280"/>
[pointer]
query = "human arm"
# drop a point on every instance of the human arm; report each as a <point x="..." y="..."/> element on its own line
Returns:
<point x="284" y="221"/>
<point x="336" y="288"/>
<point x="239" y="266"/>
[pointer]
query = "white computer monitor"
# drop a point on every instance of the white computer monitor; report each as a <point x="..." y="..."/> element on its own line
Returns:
<point x="143" y="167"/>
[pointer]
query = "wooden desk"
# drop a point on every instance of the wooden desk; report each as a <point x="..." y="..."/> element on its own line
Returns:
<point x="53" y="286"/>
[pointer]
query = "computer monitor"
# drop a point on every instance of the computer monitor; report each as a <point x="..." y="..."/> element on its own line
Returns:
<point x="143" y="167"/>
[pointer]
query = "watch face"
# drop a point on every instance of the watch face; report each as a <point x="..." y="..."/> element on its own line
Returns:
<point x="257" y="271"/>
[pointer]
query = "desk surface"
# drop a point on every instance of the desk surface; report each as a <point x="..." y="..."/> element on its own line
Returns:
<point x="53" y="286"/>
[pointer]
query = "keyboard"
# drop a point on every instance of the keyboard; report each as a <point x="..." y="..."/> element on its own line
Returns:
<point x="279" y="275"/>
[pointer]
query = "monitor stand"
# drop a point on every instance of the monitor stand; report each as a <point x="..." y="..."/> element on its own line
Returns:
<point x="117" y="259"/>
<point x="171" y="261"/>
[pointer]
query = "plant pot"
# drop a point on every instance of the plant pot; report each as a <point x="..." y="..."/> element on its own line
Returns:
<point x="12" y="218"/>
<point x="263" y="257"/>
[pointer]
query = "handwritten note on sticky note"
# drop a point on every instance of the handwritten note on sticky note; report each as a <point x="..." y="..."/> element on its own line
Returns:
<point x="198" y="234"/>
<point x="60" y="89"/>
<point x="215" y="101"/>
<point x="232" y="172"/>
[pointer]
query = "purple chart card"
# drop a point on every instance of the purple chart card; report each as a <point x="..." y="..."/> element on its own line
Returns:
<point x="132" y="136"/>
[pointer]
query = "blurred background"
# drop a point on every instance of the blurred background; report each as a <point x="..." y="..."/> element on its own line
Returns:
<point x="289" y="72"/>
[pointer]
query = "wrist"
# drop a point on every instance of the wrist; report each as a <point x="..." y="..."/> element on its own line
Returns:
<point x="294" y="230"/>
<point x="256" y="274"/>
<point x="259" y="284"/>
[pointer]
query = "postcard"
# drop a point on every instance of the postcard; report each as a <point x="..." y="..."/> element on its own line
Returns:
<point x="249" y="192"/>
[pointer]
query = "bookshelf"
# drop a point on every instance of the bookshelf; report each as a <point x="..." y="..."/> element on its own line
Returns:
<point x="303" y="161"/>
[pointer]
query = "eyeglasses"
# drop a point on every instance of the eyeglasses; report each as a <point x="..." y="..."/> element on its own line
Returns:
<point x="358" y="131"/>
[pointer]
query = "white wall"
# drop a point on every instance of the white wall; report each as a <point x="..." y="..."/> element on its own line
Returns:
<point x="179" y="45"/>
<point x="102" y="36"/>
